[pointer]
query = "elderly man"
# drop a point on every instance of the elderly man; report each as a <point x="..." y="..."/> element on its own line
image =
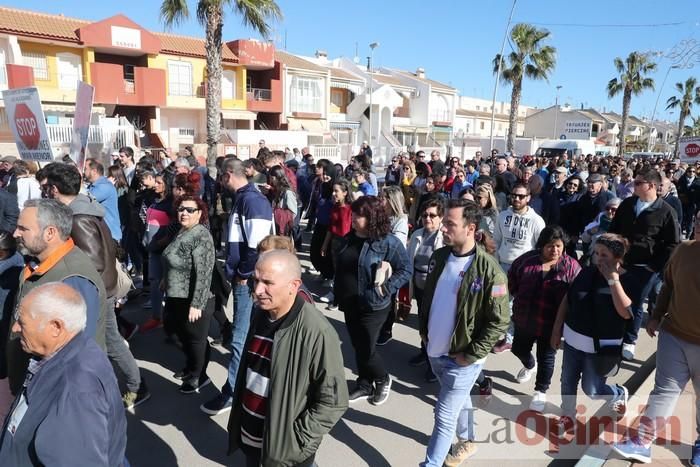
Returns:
<point x="291" y="383"/>
<point x="69" y="411"/>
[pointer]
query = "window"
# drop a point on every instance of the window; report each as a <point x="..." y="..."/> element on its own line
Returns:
<point x="39" y="65"/>
<point x="228" y="84"/>
<point x="179" y="78"/>
<point x="69" y="68"/>
<point x="481" y="125"/>
<point x="441" y="110"/>
<point x="3" y="72"/>
<point x="305" y="95"/>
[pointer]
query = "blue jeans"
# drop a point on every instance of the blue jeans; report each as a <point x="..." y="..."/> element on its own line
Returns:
<point x="643" y="276"/>
<point x="242" y="309"/>
<point x="453" y="410"/>
<point x="578" y="365"/>
<point x="155" y="274"/>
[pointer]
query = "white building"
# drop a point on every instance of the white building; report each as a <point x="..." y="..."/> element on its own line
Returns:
<point x="473" y="118"/>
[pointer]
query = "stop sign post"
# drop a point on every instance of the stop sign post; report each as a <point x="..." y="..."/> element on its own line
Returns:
<point x="26" y="120"/>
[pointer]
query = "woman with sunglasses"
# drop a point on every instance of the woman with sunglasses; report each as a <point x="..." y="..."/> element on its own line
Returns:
<point x="421" y="245"/>
<point x="599" y="226"/>
<point x="188" y="262"/>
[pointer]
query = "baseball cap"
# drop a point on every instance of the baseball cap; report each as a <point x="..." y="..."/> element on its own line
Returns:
<point x="592" y="178"/>
<point x="8" y="159"/>
<point x="561" y="170"/>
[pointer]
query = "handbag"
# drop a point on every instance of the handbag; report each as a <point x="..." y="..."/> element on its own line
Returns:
<point x="124" y="282"/>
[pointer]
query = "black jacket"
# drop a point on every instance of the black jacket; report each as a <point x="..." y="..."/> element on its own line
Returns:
<point x="9" y="210"/>
<point x="652" y="235"/>
<point x="588" y="208"/>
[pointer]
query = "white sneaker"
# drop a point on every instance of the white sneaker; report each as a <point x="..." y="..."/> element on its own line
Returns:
<point x="628" y="351"/>
<point x="539" y="399"/>
<point x="332" y="307"/>
<point x="525" y="374"/>
<point x="328" y="298"/>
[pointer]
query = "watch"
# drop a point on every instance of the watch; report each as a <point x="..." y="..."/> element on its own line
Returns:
<point x="612" y="282"/>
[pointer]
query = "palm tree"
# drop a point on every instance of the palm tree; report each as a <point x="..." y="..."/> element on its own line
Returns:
<point x="631" y="81"/>
<point x="531" y="59"/>
<point x="689" y="95"/>
<point x="694" y="129"/>
<point x="256" y="14"/>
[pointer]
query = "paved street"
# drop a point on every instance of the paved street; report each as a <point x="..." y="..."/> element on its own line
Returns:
<point x="171" y="430"/>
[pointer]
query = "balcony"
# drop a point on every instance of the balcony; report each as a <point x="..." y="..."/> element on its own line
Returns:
<point x="259" y="94"/>
<point x="146" y="88"/>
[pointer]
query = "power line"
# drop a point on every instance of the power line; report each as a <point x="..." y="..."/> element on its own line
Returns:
<point x="590" y="25"/>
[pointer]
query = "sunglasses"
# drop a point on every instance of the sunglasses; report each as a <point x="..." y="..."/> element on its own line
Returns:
<point x="425" y="215"/>
<point x="639" y="182"/>
<point x="394" y="160"/>
<point x="611" y="209"/>
<point x="517" y="196"/>
<point x="188" y="209"/>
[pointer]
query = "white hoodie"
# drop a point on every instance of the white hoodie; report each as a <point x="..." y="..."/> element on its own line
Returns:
<point x="516" y="234"/>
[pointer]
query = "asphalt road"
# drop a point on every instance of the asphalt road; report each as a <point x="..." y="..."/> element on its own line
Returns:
<point x="170" y="430"/>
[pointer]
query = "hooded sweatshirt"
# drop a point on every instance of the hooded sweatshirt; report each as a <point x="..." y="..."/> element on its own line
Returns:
<point x="104" y="192"/>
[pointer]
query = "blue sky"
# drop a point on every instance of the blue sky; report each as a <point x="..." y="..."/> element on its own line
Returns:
<point x="456" y="40"/>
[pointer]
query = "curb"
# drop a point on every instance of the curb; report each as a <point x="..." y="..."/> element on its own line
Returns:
<point x="641" y="382"/>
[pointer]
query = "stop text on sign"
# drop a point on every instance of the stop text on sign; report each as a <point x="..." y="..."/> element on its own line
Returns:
<point x="692" y="149"/>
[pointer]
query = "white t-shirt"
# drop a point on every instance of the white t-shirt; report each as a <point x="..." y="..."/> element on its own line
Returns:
<point x="443" y="309"/>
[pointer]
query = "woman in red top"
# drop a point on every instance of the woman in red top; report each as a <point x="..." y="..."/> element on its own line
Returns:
<point x="339" y="226"/>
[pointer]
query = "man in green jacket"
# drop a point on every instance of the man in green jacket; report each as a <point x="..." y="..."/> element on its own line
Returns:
<point x="463" y="313"/>
<point x="290" y="388"/>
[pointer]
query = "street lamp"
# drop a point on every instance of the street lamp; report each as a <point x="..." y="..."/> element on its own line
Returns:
<point x="556" y="114"/>
<point x="498" y="76"/>
<point x="653" y="113"/>
<point x="372" y="46"/>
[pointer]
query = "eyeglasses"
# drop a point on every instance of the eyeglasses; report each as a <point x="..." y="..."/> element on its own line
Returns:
<point x="518" y="196"/>
<point x="425" y="215"/>
<point x="188" y="209"/>
<point x="575" y="185"/>
<point x="611" y="209"/>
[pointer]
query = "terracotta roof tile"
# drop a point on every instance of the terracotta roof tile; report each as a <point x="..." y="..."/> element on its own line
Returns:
<point x="435" y="84"/>
<point x="296" y="62"/>
<point x="29" y="23"/>
<point x="190" y="46"/>
<point x="342" y="74"/>
<point x="33" y="24"/>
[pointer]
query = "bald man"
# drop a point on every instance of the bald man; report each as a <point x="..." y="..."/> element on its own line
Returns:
<point x="69" y="410"/>
<point x="291" y="378"/>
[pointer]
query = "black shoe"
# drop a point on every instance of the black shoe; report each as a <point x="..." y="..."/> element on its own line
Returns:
<point x="418" y="360"/>
<point x="182" y="374"/>
<point x="429" y="375"/>
<point x="381" y="391"/>
<point x="384" y="339"/>
<point x="218" y="405"/>
<point x="360" y="393"/>
<point x="194" y="385"/>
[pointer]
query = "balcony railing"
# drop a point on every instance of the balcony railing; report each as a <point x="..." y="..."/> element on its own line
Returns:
<point x="113" y="137"/>
<point x="129" y="86"/>
<point x="259" y="94"/>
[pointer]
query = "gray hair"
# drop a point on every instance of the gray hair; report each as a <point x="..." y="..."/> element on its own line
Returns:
<point x="56" y="300"/>
<point x="182" y="162"/>
<point x="52" y="212"/>
<point x="235" y="167"/>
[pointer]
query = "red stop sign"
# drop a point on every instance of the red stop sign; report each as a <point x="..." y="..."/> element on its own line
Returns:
<point x="27" y="126"/>
<point x="692" y="150"/>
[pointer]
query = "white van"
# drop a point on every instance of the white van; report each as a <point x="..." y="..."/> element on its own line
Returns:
<point x="572" y="147"/>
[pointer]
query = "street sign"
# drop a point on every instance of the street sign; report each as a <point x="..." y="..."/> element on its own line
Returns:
<point x="81" y="124"/>
<point x="26" y="120"/>
<point x="689" y="148"/>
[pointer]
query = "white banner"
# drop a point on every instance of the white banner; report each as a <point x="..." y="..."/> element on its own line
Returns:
<point x="26" y="119"/>
<point x="689" y="148"/>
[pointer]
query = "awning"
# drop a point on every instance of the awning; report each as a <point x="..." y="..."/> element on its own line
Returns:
<point x="355" y="88"/>
<point x="238" y="115"/>
<point x="411" y="129"/>
<point x="442" y="129"/>
<point x="311" y="125"/>
<point x="345" y="125"/>
<point x="68" y="108"/>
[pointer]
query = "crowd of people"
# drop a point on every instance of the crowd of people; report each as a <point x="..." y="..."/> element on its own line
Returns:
<point x="499" y="253"/>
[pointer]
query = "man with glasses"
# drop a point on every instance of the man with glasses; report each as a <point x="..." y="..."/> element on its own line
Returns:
<point x="650" y="225"/>
<point x="393" y="172"/>
<point x="420" y="156"/>
<point x="591" y="203"/>
<point x="516" y="232"/>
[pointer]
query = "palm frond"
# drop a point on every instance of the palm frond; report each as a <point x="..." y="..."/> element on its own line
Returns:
<point x="258" y="14"/>
<point x="173" y="12"/>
